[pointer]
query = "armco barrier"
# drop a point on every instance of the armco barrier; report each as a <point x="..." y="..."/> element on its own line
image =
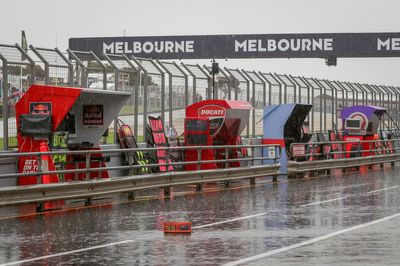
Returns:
<point x="309" y="166"/>
<point x="87" y="189"/>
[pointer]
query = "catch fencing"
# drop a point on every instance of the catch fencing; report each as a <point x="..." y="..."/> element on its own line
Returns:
<point x="166" y="88"/>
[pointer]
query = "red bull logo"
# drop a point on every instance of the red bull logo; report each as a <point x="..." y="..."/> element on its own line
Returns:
<point x="212" y="111"/>
<point x="40" y="108"/>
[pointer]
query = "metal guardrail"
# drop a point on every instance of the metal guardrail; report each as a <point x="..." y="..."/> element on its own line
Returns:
<point x="379" y="152"/>
<point x="308" y="166"/>
<point x="87" y="154"/>
<point x="95" y="187"/>
<point x="375" y="146"/>
<point x="71" y="190"/>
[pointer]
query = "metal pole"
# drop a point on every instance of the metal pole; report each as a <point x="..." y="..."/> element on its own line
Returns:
<point x="253" y="102"/>
<point x="170" y="91"/>
<point x="282" y="86"/>
<point x="194" y="81"/>
<point x="269" y="88"/>
<point x="46" y="64"/>
<point x="264" y="84"/>
<point x="5" y="104"/>
<point x="186" y="78"/>
<point x="334" y="102"/>
<point x="310" y="101"/>
<point x="145" y="104"/>
<point x="297" y="86"/>
<point x="70" y="67"/>
<point x="136" y="103"/>
<point x="322" y="95"/>
<point x="248" y="98"/>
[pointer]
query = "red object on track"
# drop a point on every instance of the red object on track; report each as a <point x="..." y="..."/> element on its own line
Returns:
<point x="177" y="227"/>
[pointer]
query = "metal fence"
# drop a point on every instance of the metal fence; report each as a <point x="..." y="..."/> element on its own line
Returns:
<point x="166" y="88"/>
<point x="126" y="178"/>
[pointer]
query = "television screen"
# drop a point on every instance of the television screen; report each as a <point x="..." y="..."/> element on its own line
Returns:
<point x="32" y="124"/>
<point x="196" y="124"/>
<point x="353" y="124"/>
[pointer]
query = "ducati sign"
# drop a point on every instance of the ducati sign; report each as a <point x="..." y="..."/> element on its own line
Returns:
<point x="212" y="111"/>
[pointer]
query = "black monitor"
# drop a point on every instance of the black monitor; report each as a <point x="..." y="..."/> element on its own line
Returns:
<point x="352" y="124"/>
<point x="35" y="124"/>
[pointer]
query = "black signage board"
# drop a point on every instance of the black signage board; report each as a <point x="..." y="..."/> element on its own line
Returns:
<point x="93" y="115"/>
<point x="307" y="45"/>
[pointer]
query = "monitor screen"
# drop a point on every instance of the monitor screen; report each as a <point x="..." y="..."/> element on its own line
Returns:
<point x="196" y="124"/>
<point x="353" y="124"/>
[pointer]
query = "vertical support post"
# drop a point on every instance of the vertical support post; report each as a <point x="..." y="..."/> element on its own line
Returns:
<point x="5" y="105"/>
<point x="104" y="78"/>
<point x="46" y="74"/>
<point x="170" y="100"/>
<point x="167" y="152"/>
<point x="167" y="191"/>
<point x="87" y="166"/>
<point x="294" y="89"/>
<point x="253" y="102"/>
<point x="226" y="157"/>
<point x="264" y="92"/>
<point x="199" y="187"/>
<point x="252" y="156"/>
<point x="71" y="75"/>
<point x="145" y="104"/>
<point x="199" y="159"/>
<point x="131" y="195"/>
<point x="163" y="99"/>
<point x="89" y="201"/>
<point x="136" y="104"/>
<point x="186" y="90"/>
<point x="116" y="82"/>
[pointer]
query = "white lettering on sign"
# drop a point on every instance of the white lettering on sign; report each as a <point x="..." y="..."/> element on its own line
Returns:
<point x="212" y="112"/>
<point x="271" y="153"/>
<point x="390" y="44"/>
<point x="148" y="47"/>
<point x="30" y="166"/>
<point x="282" y="45"/>
<point x="299" y="150"/>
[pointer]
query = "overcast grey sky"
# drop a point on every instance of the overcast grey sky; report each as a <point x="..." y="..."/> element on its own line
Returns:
<point x="50" y="23"/>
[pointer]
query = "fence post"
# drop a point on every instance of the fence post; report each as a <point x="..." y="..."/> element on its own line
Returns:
<point x="199" y="159"/>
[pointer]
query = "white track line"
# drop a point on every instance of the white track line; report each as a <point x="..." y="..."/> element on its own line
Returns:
<point x="67" y="253"/>
<point x="324" y="201"/>
<point x="383" y="189"/>
<point x="305" y="205"/>
<point x="308" y="242"/>
<point x="228" y="221"/>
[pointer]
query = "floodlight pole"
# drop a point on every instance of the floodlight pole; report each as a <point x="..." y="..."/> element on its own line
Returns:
<point x="214" y="70"/>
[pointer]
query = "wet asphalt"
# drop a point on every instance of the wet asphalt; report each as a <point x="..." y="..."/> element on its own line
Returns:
<point x="292" y="222"/>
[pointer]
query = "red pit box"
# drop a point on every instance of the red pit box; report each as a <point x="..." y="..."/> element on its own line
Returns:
<point x="220" y="122"/>
<point x="68" y="119"/>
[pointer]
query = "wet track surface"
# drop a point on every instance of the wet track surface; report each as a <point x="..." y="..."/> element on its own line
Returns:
<point x="352" y="219"/>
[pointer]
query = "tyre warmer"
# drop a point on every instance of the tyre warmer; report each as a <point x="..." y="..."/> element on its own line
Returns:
<point x="156" y="138"/>
<point x="128" y="141"/>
